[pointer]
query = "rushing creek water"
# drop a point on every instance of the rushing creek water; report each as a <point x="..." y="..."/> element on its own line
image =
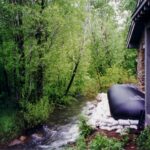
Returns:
<point x="61" y="129"/>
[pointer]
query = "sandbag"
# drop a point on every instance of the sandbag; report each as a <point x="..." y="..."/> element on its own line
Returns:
<point x="126" y="102"/>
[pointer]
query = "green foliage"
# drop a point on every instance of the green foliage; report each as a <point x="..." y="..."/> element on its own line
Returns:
<point x="102" y="142"/>
<point x="9" y="125"/>
<point x="80" y="143"/>
<point x="67" y="100"/>
<point x="85" y="129"/>
<point x="53" y="50"/>
<point x="125" y="139"/>
<point x="129" y="61"/>
<point x="116" y="75"/>
<point x="36" y="113"/>
<point x="143" y="141"/>
<point x="128" y="5"/>
<point x="91" y="87"/>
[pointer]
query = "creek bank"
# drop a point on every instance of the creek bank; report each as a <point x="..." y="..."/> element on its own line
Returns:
<point x="63" y="128"/>
<point x="99" y="116"/>
<point x="128" y="140"/>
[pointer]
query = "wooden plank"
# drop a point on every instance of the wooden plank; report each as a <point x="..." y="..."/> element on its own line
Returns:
<point x="139" y="9"/>
<point x="147" y="74"/>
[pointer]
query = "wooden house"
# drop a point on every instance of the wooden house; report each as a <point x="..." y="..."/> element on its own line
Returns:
<point x="139" y="38"/>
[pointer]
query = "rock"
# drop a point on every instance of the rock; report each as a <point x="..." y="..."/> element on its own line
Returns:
<point x="99" y="116"/>
<point x="115" y="123"/>
<point x="103" y="124"/>
<point x="119" y="131"/>
<point x="15" y="142"/>
<point x="126" y="127"/>
<point x="98" y="97"/>
<point x="133" y="127"/>
<point x="36" y="137"/>
<point x="124" y="131"/>
<point x="114" y="128"/>
<point x="123" y="122"/>
<point x="95" y="103"/>
<point x="106" y="128"/>
<point x="89" y="114"/>
<point x="111" y="122"/>
<point x="134" y="122"/>
<point x="91" y="107"/>
<point x="22" y="138"/>
<point x="119" y="127"/>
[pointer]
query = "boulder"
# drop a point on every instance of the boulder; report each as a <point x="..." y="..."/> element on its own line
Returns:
<point x="15" y="142"/>
<point x="36" y="137"/>
<point x="22" y="138"/>
<point x="98" y="97"/>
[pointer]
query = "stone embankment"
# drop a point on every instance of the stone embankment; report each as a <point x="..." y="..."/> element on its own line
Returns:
<point x="99" y="116"/>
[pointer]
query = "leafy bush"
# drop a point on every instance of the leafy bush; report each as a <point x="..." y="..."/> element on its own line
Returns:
<point x="67" y="100"/>
<point x="91" y="87"/>
<point x="8" y="126"/>
<point x="81" y="144"/>
<point x="143" y="141"/>
<point x="125" y="139"/>
<point x="116" y="75"/>
<point x="102" y="142"/>
<point x="38" y="112"/>
<point x="85" y="129"/>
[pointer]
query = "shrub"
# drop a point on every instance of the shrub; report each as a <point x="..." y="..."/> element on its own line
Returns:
<point x="116" y="75"/>
<point x="91" y="87"/>
<point x="85" y="129"/>
<point x="8" y="126"/>
<point x="143" y="141"/>
<point x="102" y="142"/>
<point x="125" y="139"/>
<point x="38" y="112"/>
<point x="67" y="100"/>
<point x="81" y="144"/>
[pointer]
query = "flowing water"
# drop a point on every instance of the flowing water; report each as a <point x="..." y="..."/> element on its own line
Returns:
<point x="61" y="129"/>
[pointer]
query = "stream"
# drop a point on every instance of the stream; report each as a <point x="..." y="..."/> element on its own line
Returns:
<point x="61" y="129"/>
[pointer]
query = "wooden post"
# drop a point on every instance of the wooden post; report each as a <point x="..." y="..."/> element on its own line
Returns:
<point x="147" y="75"/>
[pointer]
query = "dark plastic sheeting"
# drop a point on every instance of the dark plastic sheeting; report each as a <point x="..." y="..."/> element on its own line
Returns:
<point x="126" y="102"/>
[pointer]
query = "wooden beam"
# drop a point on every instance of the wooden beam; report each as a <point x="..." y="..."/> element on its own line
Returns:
<point x="138" y="9"/>
<point x="147" y="75"/>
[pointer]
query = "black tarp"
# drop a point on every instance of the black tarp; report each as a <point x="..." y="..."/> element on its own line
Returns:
<point x="126" y="102"/>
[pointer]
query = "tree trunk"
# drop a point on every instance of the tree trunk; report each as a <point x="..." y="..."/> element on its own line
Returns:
<point x="40" y="69"/>
<point x="19" y="80"/>
<point x="7" y="88"/>
<point x="72" y="77"/>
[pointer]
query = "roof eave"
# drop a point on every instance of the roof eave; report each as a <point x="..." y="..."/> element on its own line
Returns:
<point x="137" y="24"/>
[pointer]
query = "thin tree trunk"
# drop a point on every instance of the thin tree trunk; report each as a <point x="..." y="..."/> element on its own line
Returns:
<point x="79" y="57"/>
<point x="19" y="81"/>
<point x="40" y="69"/>
<point x="72" y="77"/>
<point x="6" y="82"/>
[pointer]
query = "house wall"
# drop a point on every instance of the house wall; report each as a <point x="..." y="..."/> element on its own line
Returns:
<point x="141" y="66"/>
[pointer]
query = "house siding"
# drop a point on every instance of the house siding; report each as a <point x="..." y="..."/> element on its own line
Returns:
<point x="141" y="66"/>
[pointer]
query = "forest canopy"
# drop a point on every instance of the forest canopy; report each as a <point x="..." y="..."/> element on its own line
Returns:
<point x="53" y="50"/>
